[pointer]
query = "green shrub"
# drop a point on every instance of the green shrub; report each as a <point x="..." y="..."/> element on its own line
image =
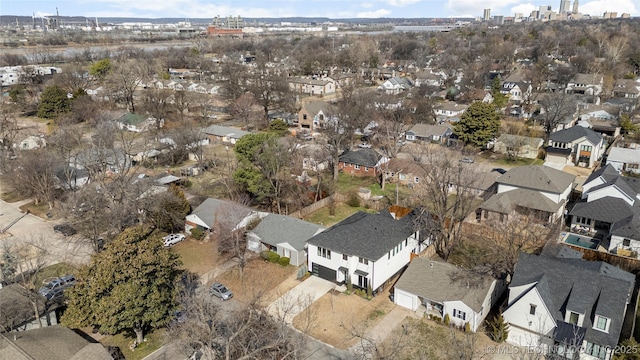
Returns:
<point x="284" y="261"/>
<point x="467" y="327"/>
<point x="273" y="257"/>
<point x="353" y="199"/>
<point x="498" y="329"/>
<point x="197" y="233"/>
<point x="447" y="319"/>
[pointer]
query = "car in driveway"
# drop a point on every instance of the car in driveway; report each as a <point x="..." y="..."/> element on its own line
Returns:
<point x="221" y="291"/>
<point x="499" y="170"/>
<point x="172" y="239"/>
<point x="467" y="160"/>
<point x="64" y="229"/>
<point x="51" y="285"/>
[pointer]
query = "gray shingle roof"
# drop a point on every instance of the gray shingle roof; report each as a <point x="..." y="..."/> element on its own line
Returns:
<point x="275" y="229"/>
<point x="562" y="285"/>
<point x="218" y="130"/>
<point x="366" y="235"/>
<point x="442" y="282"/>
<point x="508" y="201"/>
<point x="620" y="183"/>
<point x="574" y="133"/>
<point x="607" y="209"/>
<point x="537" y="177"/>
<point x="427" y="130"/>
<point x="315" y="107"/>
<point x="608" y="173"/>
<point x="208" y="209"/>
<point x="363" y="157"/>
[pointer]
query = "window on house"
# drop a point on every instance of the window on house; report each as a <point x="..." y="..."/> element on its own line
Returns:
<point x="325" y="253"/>
<point x="406" y="241"/>
<point x="345" y="257"/>
<point x="366" y="168"/>
<point x="601" y="323"/>
<point x="573" y="318"/>
<point x="304" y="116"/>
<point x="459" y="314"/>
<point x="416" y="179"/>
<point x="626" y="242"/>
<point x="583" y="220"/>
<point x="363" y="261"/>
<point x="532" y="309"/>
<point x="585" y="148"/>
<point x="356" y="166"/>
<point x="595" y="350"/>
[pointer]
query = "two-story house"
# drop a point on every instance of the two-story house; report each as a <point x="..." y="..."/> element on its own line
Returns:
<point x="449" y="111"/>
<point x="586" y="84"/>
<point x="317" y="87"/>
<point x="576" y="145"/>
<point x="568" y="306"/>
<point x="539" y="191"/>
<point x="516" y="91"/>
<point x="361" y="162"/>
<point x="626" y="88"/>
<point x="314" y="114"/>
<point x="366" y="249"/>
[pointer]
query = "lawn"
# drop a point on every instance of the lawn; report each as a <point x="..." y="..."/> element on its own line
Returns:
<point x="347" y="183"/>
<point x="335" y="317"/>
<point x="8" y="193"/>
<point x="258" y="279"/>
<point x="198" y="257"/>
<point x="39" y="210"/>
<point x="519" y="162"/>
<point x="343" y="211"/>
<point x="123" y="341"/>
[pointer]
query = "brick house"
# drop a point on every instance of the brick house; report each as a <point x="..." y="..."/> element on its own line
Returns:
<point x="361" y="162"/>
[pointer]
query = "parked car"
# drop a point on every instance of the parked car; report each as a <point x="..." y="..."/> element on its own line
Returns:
<point x="172" y="239"/>
<point x="55" y="294"/>
<point x="50" y="285"/>
<point x="69" y="280"/>
<point x="466" y="160"/>
<point x="64" y="229"/>
<point x="220" y="291"/>
<point x="365" y="146"/>
<point x="499" y="170"/>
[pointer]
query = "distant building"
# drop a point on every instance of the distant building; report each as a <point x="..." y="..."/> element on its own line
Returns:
<point x="575" y="7"/>
<point x="565" y="6"/>
<point x="487" y="15"/>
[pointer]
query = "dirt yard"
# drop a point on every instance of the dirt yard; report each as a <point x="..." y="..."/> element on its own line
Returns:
<point x="198" y="257"/>
<point x="259" y="278"/>
<point x="335" y="317"/>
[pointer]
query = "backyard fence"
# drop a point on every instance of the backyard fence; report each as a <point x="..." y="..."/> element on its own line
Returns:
<point x="318" y="205"/>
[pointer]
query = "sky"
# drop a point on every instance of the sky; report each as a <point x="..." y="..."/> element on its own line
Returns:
<point x="335" y="9"/>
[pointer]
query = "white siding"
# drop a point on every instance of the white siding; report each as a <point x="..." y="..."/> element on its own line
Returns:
<point x="555" y="197"/>
<point x="471" y="316"/>
<point x="527" y="328"/>
<point x="405" y="299"/>
<point x="609" y="191"/>
<point x="387" y="266"/>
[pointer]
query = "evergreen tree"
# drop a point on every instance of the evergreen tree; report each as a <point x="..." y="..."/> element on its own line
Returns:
<point x="478" y="125"/>
<point x="53" y="102"/>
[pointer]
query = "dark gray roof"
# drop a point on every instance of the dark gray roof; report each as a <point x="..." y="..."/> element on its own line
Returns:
<point x="231" y="132"/>
<point x="574" y="133"/>
<point x="363" y="157"/>
<point x="506" y="202"/>
<point x="629" y="227"/>
<point x="440" y="282"/>
<point x="16" y="306"/>
<point x="275" y="229"/>
<point x="366" y="235"/>
<point x="537" y="177"/>
<point x="621" y="184"/>
<point x="608" y="173"/>
<point x="608" y="209"/>
<point x="52" y="343"/>
<point x="207" y="211"/>
<point x="562" y="285"/>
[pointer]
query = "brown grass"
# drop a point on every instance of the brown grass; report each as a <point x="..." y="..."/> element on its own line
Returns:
<point x="39" y="210"/>
<point x="336" y="317"/>
<point x="198" y="257"/>
<point x="258" y="279"/>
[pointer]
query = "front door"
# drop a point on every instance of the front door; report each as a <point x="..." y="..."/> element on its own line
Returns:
<point x="363" y="282"/>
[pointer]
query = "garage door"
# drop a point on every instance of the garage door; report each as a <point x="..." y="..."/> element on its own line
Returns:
<point x="403" y="299"/>
<point x="323" y="272"/>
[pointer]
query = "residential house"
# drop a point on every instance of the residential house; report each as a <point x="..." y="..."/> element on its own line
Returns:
<point x="585" y="84"/>
<point x="539" y="191"/>
<point x="516" y="91"/>
<point x="440" y="289"/>
<point x="138" y="123"/>
<point x="395" y="85"/>
<point x="17" y="304"/>
<point x="516" y="146"/>
<point x="284" y="235"/>
<point x="552" y="306"/>
<point x="317" y="87"/>
<point x="449" y="111"/>
<point x="431" y="133"/>
<point x="361" y="162"/>
<point x="313" y="115"/>
<point x="626" y="88"/>
<point x="102" y="161"/>
<point x="428" y="78"/>
<point x="576" y="145"/>
<point x="404" y="171"/>
<point x="224" y="134"/>
<point x="71" y="177"/>
<point x="366" y="249"/>
<point x="205" y="215"/>
<point x="625" y="159"/>
<point x="52" y="343"/>
<point x="31" y="142"/>
<point x="609" y="210"/>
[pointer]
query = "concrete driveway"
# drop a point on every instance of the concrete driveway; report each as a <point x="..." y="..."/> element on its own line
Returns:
<point x="299" y="298"/>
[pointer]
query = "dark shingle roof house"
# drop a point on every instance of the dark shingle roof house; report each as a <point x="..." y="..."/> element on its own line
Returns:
<point x="590" y="288"/>
<point x="369" y="236"/>
<point x="575" y="133"/>
<point x="537" y="177"/>
<point x="362" y="157"/>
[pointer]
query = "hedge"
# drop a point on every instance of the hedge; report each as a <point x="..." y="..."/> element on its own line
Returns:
<point x="284" y="261"/>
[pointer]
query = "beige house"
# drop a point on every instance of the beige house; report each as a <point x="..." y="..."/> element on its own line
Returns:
<point x="516" y="146"/>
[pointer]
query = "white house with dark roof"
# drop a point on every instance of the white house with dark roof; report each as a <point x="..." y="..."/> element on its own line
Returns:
<point x="369" y="249"/>
<point x="537" y="190"/>
<point x="576" y="145"/>
<point x="224" y="134"/>
<point x="516" y="91"/>
<point x="585" y="84"/>
<point x="552" y="307"/>
<point x="428" y="132"/>
<point x="283" y="235"/>
<point x="625" y="159"/>
<point x="438" y="288"/>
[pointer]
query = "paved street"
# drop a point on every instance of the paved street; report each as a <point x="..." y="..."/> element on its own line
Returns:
<point x="34" y="231"/>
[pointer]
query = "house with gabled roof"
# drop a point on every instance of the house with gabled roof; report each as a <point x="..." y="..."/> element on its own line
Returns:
<point x="440" y="289"/>
<point x="625" y="159"/>
<point x="540" y="191"/>
<point x="361" y="162"/>
<point x="138" y="123"/>
<point x="314" y="114"/>
<point x="205" y="215"/>
<point x="318" y="87"/>
<point x="396" y="85"/>
<point x="224" y="134"/>
<point x="284" y="235"/>
<point x="431" y="133"/>
<point x="516" y="91"/>
<point x="626" y="88"/>
<point x="551" y="307"/>
<point x="585" y="84"/>
<point x="576" y="145"/>
<point x="449" y="111"/>
<point x="366" y="249"/>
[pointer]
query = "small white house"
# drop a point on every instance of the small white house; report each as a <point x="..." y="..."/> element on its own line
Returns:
<point x="31" y="143"/>
<point x="625" y="159"/>
<point x="440" y="289"/>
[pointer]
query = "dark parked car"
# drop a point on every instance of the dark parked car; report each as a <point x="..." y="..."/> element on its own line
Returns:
<point x="499" y="170"/>
<point x="65" y="229"/>
<point x="220" y="291"/>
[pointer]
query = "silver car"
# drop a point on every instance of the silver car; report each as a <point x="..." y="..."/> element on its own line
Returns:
<point x="172" y="239"/>
<point x="220" y="291"/>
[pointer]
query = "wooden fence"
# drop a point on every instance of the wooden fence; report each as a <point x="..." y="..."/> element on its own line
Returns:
<point x="318" y="205"/>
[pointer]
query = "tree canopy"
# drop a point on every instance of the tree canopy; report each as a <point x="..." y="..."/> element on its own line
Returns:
<point x="478" y="125"/>
<point x="53" y="102"/>
<point x="100" y="68"/>
<point x="129" y="285"/>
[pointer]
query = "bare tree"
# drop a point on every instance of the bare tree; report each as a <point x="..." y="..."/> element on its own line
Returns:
<point x="123" y="80"/>
<point x="554" y="109"/>
<point x="34" y="175"/>
<point x="9" y="130"/>
<point x="244" y="109"/>
<point x="230" y="232"/>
